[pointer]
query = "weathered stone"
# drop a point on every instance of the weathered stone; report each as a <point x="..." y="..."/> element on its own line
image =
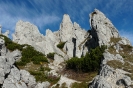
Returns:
<point x="6" y="33"/>
<point x="3" y="49"/>
<point x="124" y="41"/>
<point x="100" y="82"/>
<point x="66" y="28"/>
<point x="58" y="59"/>
<point x="13" y="56"/>
<point x="27" y="78"/>
<point x="43" y="85"/>
<point x="101" y="28"/>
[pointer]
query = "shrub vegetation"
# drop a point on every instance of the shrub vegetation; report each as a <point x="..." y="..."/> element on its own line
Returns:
<point x="90" y="62"/>
<point x="41" y="76"/>
<point x="11" y="45"/>
<point x="61" y="45"/>
<point x="28" y="52"/>
<point x="50" y="55"/>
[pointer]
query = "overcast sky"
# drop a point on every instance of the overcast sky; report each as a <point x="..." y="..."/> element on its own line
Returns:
<point x="47" y="14"/>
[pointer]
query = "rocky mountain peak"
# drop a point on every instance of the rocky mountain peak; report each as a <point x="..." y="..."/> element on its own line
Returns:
<point x="102" y="28"/>
<point x="66" y="19"/>
<point x="69" y="42"/>
<point x="66" y="28"/>
<point x="25" y="32"/>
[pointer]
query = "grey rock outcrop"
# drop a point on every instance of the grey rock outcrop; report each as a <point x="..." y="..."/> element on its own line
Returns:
<point x="124" y="41"/>
<point x="7" y="60"/>
<point x="74" y="37"/>
<point x="101" y="28"/>
<point x="3" y="49"/>
<point x="110" y="57"/>
<point x="110" y="78"/>
<point x="27" y="33"/>
<point x="27" y="78"/>
<point x="43" y="85"/>
<point x="6" y="33"/>
<point x="10" y="75"/>
<point x="77" y="43"/>
<point x="66" y="28"/>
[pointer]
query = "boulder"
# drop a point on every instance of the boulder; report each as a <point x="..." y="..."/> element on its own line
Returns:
<point x="13" y="56"/>
<point x="43" y="85"/>
<point x="108" y="57"/>
<point x="100" y="82"/>
<point x="3" y="49"/>
<point x="27" y="78"/>
<point x="12" y="79"/>
<point x="58" y="59"/>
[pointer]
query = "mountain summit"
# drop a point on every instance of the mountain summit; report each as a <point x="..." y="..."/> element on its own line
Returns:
<point x="70" y="57"/>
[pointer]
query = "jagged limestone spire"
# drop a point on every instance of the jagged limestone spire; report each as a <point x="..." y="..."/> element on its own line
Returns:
<point x="102" y="28"/>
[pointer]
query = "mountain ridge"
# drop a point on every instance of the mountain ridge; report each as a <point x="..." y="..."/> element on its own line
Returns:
<point x="74" y="42"/>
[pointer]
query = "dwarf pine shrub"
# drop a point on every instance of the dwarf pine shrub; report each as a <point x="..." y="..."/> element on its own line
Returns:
<point x="11" y="45"/>
<point x="50" y="55"/>
<point x="28" y="53"/>
<point x="61" y="45"/>
<point x="90" y="62"/>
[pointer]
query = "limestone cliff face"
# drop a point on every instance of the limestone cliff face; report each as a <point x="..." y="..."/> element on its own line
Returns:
<point x="78" y="42"/>
<point x="27" y="32"/>
<point x="72" y="34"/>
<point x="10" y="75"/>
<point x="113" y="72"/>
<point x="66" y="28"/>
<point x="102" y="28"/>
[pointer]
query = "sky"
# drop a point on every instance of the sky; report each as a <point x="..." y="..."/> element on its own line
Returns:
<point x="47" y="14"/>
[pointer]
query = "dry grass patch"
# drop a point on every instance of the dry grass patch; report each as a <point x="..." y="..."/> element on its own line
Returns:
<point x="126" y="66"/>
<point x="30" y="66"/>
<point x="112" y="50"/>
<point x="126" y="48"/>
<point x="126" y="53"/>
<point x="79" y="85"/>
<point x="115" y="40"/>
<point x="115" y="64"/>
<point x="79" y="76"/>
